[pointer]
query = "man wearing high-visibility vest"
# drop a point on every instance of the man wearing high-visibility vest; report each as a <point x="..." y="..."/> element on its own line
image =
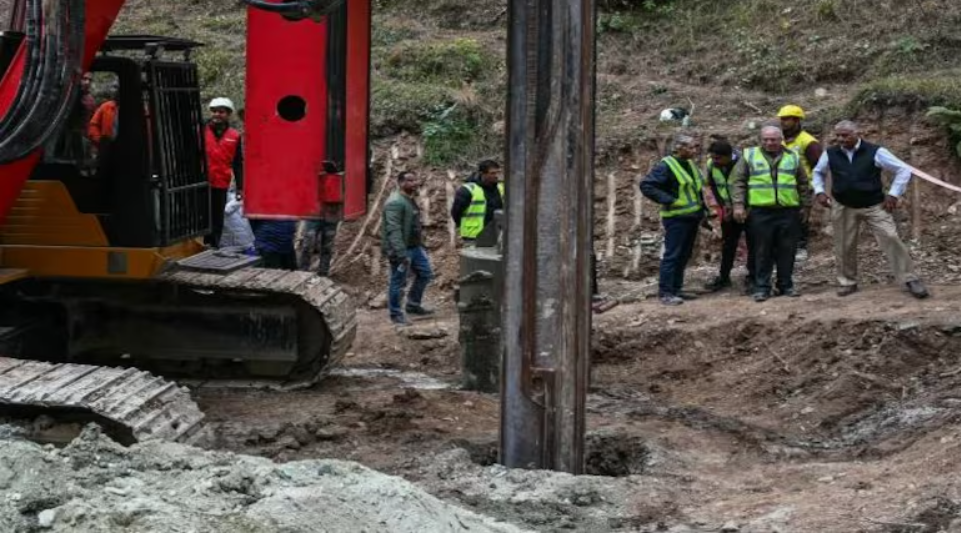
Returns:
<point x="720" y="163"/>
<point x="770" y="190"/>
<point x="809" y="149"/>
<point x="476" y="201"/>
<point x="676" y="184"/>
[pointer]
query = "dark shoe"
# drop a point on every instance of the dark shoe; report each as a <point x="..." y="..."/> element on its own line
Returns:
<point x="670" y="299"/>
<point x="790" y="293"/>
<point x="717" y="284"/>
<point x="917" y="289"/>
<point x="847" y="290"/>
<point x="760" y="297"/>
<point x="399" y="321"/>
<point x="687" y="295"/>
<point x="419" y="310"/>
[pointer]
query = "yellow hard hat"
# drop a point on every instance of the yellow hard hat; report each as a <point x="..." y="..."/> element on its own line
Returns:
<point x="791" y="111"/>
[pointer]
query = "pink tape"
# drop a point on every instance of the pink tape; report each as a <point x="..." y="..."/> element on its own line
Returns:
<point x="928" y="177"/>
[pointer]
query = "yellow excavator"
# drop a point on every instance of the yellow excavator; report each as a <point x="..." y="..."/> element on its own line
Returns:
<point x="106" y="288"/>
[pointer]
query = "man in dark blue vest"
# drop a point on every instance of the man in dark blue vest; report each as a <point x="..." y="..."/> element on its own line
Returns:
<point x="858" y="196"/>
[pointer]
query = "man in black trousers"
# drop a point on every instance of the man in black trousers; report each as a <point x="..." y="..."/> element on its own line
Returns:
<point x="771" y="191"/>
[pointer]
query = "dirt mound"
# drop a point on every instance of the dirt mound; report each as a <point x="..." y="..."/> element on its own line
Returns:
<point x="95" y="484"/>
<point x="828" y="383"/>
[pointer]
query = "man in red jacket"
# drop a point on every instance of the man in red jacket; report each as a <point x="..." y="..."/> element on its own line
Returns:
<point x="224" y="163"/>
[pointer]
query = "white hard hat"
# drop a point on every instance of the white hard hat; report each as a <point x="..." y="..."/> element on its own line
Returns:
<point x="221" y="102"/>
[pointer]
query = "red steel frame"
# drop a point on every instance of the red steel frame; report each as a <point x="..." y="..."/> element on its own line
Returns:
<point x="284" y="159"/>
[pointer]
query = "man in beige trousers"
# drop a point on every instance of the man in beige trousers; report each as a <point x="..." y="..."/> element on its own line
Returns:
<point x="858" y="196"/>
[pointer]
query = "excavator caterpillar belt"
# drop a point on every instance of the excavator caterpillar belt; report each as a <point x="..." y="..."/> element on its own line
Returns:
<point x="133" y="405"/>
<point x="324" y="315"/>
<point x="252" y="327"/>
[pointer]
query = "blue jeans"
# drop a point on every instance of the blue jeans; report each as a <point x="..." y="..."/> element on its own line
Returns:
<point x="420" y="266"/>
<point x="679" y="236"/>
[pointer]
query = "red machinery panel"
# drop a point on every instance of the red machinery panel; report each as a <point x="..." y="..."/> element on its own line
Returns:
<point x="308" y="93"/>
<point x="357" y="147"/>
<point x="286" y="115"/>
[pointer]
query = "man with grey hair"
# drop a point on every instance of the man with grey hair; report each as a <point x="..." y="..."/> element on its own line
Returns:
<point x="858" y="196"/>
<point x="676" y="184"/>
<point x="769" y="190"/>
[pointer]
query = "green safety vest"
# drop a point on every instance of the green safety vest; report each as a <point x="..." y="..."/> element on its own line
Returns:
<point x="472" y="222"/>
<point x="723" y="185"/>
<point x="762" y="191"/>
<point x="688" y="190"/>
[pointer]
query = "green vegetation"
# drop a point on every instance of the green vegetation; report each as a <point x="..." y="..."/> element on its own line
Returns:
<point x="449" y="63"/>
<point x="400" y="106"/>
<point x="951" y="119"/>
<point x="912" y="92"/>
<point x="445" y="90"/>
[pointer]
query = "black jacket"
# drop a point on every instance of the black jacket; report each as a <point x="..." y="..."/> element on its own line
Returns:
<point x="462" y="200"/>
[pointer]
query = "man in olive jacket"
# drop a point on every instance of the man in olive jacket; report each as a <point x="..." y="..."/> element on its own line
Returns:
<point x="403" y="245"/>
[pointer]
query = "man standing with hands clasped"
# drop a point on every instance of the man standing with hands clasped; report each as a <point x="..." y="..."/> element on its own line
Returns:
<point x="770" y="191"/>
<point x="676" y="184"/>
<point x="858" y="196"/>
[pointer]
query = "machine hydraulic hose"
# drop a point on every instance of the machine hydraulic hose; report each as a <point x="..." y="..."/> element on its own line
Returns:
<point x="54" y="47"/>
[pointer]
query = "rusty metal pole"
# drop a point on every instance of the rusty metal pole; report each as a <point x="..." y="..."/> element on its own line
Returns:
<point x="549" y="233"/>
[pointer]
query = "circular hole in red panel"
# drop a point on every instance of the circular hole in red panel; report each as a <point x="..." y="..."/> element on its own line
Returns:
<point x="292" y="108"/>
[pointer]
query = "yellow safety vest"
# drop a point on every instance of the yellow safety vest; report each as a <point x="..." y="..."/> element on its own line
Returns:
<point x="472" y="223"/>
<point x="762" y="191"/>
<point x="800" y="146"/>
<point x="723" y="185"/>
<point x="688" y="190"/>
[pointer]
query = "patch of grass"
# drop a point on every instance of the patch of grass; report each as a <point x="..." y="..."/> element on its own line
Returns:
<point x="449" y="63"/>
<point x="910" y="92"/>
<point x="231" y="21"/>
<point x="619" y="22"/>
<point x="398" y="106"/>
<point x="448" y="135"/>
<point x="385" y="33"/>
<point x="951" y="120"/>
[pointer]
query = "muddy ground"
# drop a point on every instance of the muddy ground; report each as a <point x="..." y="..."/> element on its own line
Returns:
<point x="812" y="414"/>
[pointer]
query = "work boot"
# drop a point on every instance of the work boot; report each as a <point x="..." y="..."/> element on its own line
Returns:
<point x="847" y="290"/>
<point x="917" y="289"/>
<point x="790" y="293"/>
<point x="687" y="295"/>
<point x="760" y="297"/>
<point x="670" y="299"/>
<point x="717" y="284"/>
<point x="400" y="321"/>
<point x="419" y="310"/>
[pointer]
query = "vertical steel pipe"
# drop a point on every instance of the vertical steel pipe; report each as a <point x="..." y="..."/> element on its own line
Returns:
<point x="549" y="233"/>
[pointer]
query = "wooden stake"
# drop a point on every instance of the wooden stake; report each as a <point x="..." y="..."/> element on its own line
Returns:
<point x="372" y="209"/>
<point x="450" y="191"/>
<point x="611" y="210"/>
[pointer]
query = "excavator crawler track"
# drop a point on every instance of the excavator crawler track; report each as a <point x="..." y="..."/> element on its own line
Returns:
<point x="330" y="330"/>
<point x="134" y="406"/>
<point x="252" y="327"/>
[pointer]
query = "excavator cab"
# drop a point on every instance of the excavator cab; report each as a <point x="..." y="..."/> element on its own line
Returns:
<point x="146" y="182"/>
